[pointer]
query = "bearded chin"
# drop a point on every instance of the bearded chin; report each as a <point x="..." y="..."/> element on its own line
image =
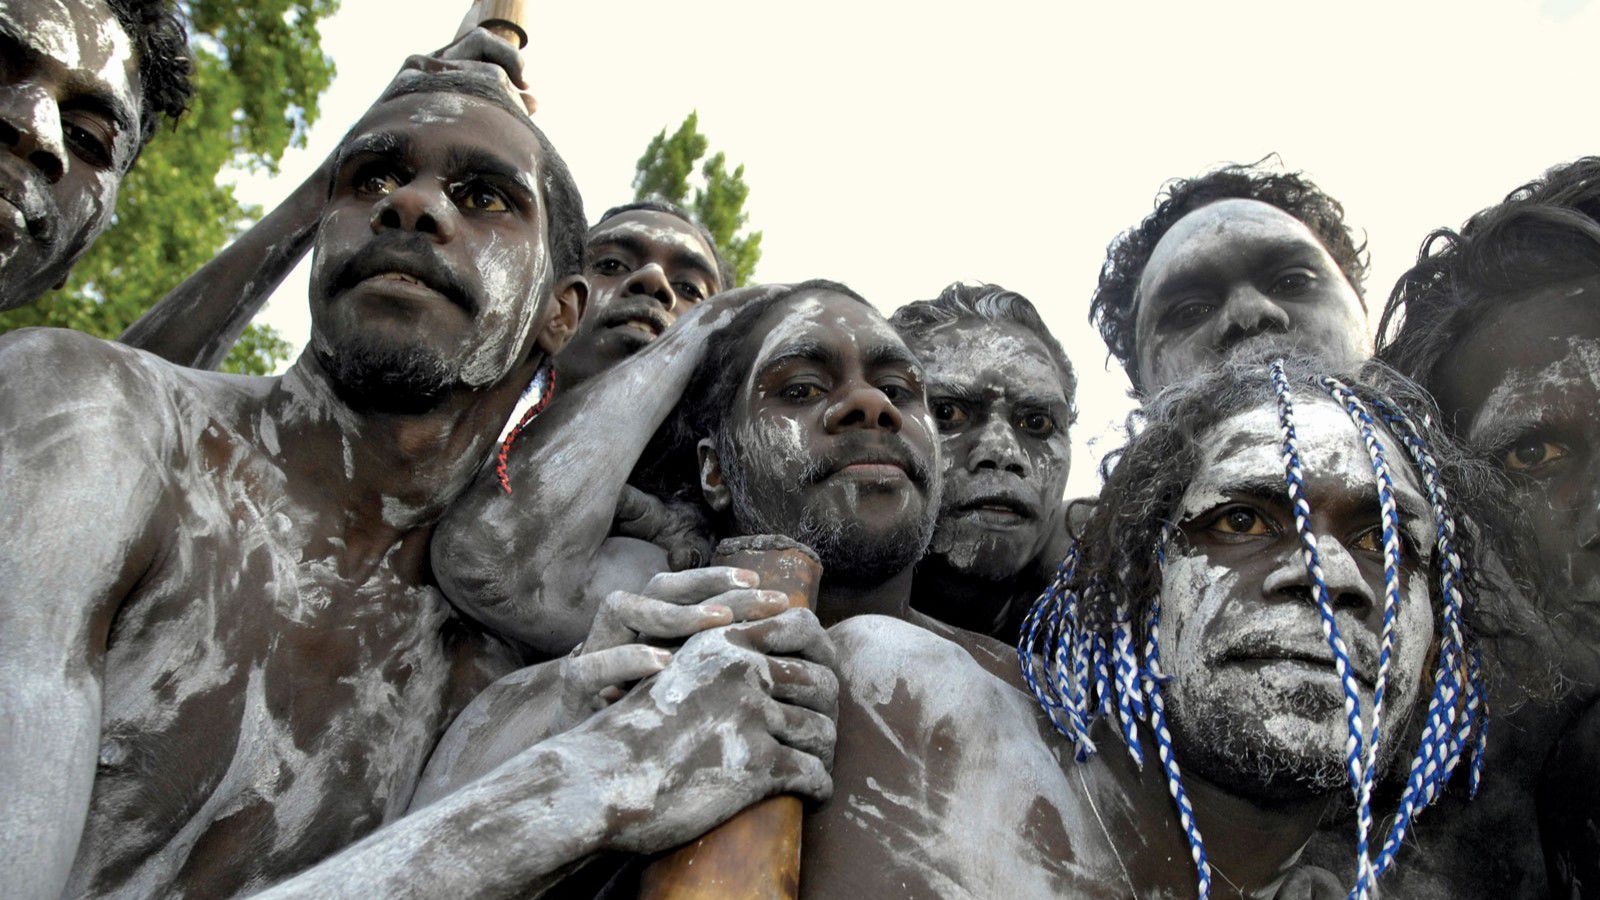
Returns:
<point x="1235" y="749"/>
<point x="370" y="377"/>
<point x="851" y="554"/>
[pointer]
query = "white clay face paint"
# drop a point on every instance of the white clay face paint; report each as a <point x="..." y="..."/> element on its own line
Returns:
<point x="1518" y="398"/>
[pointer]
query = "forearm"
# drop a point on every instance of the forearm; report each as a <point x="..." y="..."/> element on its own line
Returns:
<point x="47" y="765"/>
<point x="512" y="833"/>
<point x="200" y="320"/>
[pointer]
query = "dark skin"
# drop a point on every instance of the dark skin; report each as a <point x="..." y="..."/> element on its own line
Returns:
<point x="1527" y="401"/>
<point x="201" y="319"/>
<point x="948" y="779"/>
<point x="1003" y="417"/>
<point x="70" y="119"/>
<point x="1232" y="271"/>
<point x="221" y="615"/>
<point x="645" y="269"/>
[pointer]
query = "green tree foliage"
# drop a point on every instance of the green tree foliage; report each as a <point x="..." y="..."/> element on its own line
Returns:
<point x="259" y="71"/>
<point x="665" y="171"/>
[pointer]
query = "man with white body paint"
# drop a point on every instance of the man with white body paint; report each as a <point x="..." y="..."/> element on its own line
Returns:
<point x="1001" y="390"/>
<point x="1501" y="320"/>
<point x="1240" y="255"/>
<point x="948" y="777"/>
<point x="83" y="88"/>
<point x="226" y="658"/>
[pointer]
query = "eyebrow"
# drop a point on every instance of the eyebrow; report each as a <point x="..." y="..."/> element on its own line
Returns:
<point x="638" y="246"/>
<point x="378" y="143"/>
<point x="890" y="355"/>
<point x="804" y="351"/>
<point x="94" y="98"/>
<point x="1257" y="253"/>
<point x="1272" y="489"/>
<point x="477" y="161"/>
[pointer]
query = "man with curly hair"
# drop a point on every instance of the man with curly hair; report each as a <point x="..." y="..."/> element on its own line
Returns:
<point x="83" y="88"/>
<point x="1501" y="321"/>
<point x="1237" y="254"/>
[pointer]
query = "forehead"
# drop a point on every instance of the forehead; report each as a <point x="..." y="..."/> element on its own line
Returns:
<point x="824" y="318"/>
<point x="443" y="121"/>
<point x="1222" y="232"/>
<point x="1247" y="448"/>
<point x="663" y="233"/>
<point x="82" y="36"/>
<point x="984" y="353"/>
<point x="1543" y="344"/>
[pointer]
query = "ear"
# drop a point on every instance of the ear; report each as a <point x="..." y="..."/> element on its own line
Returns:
<point x="712" y="484"/>
<point x="570" y="297"/>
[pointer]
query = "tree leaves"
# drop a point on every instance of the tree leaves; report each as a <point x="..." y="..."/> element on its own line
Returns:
<point x="665" y="170"/>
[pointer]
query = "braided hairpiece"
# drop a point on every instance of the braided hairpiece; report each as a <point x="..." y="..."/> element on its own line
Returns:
<point x="1059" y="650"/>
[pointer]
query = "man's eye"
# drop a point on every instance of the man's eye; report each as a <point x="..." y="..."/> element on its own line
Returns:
<point x="377" y="183"/>
<point x="1040" y="425"/>
<point x="87" y="143"/>
<point x="1242" y="521"/>
<point x="688" y="291"/>
<point x="1293" y="282"/>
<point x="897" y="393"/>
<point x="948" y="414"/>
<point x="1531" y="454"/>
<point x="609" y="266"/>
<point x="1189" y="314"/>
<point x="1370" y="541"/>
<point x="479" y="198"/>
<point x="800" y="392"/>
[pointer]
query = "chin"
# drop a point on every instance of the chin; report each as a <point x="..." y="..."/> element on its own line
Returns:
<point x="981" y="553"/>
<point x="377" y="376"/>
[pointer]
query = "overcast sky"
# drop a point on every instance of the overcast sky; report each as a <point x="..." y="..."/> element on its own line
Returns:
<point x="899" y="146"/>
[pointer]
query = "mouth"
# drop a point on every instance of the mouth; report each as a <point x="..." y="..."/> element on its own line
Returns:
<point x="17" y="213"/>
<point x="1315" y="657"/>
<point x="397" y="274"/>
<point x="644" y="322"/>
<point x="998" y="509"/>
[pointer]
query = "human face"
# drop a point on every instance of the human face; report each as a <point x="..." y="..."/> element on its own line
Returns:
<point x="997" y="399"/>
<point x="1255" y="703"/>
<point x="1235" y="270"/>
<point x="69" y="129"/>
<point x="1524" y="388"/>
<point x="830" y="441"/>
<point x="645" y="269"/>
<point x="431" y="252"/>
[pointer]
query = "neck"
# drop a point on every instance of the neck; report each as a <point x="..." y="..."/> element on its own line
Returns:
<point x="892" y="597"/>
<point x="1252" y="843"/>
<point x="386" y="475"/>
<point x="967" y="601"/>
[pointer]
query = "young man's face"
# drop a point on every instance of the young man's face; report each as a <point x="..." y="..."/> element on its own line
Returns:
<point x="997" y="398"/>
<point x="431" y="253"/>
<point x="1255" y="703"/>
<point x="1235" y="270"/>
<point x="69" y="129"/>
<point x="830" y="441"/>
<point x="1524" y="388"/>
<point x="645" y="269"/>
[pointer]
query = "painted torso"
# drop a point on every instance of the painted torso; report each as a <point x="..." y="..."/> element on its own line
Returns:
<point x="948" y="782"/>
<point x="262" y="708"/>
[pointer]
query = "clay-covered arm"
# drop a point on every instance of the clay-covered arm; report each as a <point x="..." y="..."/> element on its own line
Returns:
<point x="200" y="320"/>
<point x="519" y="562"/>
<point x="76" y="495"/>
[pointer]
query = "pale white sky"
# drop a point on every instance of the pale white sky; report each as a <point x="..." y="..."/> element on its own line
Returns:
<point x="898" y="146"/>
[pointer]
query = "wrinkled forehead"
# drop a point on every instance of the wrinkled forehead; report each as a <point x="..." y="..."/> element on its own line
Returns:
<point x="82" y="36"/>
<point x="452" y="123"/>
<point x="1247" y="448"/>
<point x="661" y="233"/>
<point x="1221" y="232"/>
<point x="976" y="354"/>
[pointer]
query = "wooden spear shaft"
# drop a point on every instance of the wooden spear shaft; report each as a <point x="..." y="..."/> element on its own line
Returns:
<point x="506" y="18"/>
<point x="756" y="854"/>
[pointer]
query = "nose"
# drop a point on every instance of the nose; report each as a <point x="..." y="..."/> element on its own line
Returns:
<point x="862" y="407"/>
<point x="650" y="280"/>
<point x="30" y="129"/>
<point x="417" y="206"/>
<point x="995" y="448"/>
<point x="1347" y="587"/>
<point x="1247" y="313"/>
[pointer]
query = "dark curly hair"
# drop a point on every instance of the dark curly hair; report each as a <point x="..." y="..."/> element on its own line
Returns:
<point x="1145" y="481"/>
<point x="987" y="302"/>
<point x="1545" y="232"/>
<point x="161" y="41"/>
<point x="1115" y="303"/>
<point x="656" y="204"/>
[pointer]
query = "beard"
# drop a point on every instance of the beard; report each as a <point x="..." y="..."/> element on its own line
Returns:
<point x="371" y="377"/>
<point x="851" y="553"/>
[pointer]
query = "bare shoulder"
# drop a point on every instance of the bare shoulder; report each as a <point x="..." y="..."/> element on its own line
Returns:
<point x="883" y="658"/>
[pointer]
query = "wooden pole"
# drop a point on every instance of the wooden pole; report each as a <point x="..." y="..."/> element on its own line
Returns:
<point x="507" y="18"/>
<point x="756" y="854"/>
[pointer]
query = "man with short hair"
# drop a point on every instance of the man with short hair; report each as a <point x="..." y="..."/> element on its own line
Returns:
<point x="1001" y="391"/>
<point x="1501" y="321"/>
<point x="1236" y="254"/>
<point x="809" y="422"/>
<point x="222" y="626"/>
<point x="83" y="89"/>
